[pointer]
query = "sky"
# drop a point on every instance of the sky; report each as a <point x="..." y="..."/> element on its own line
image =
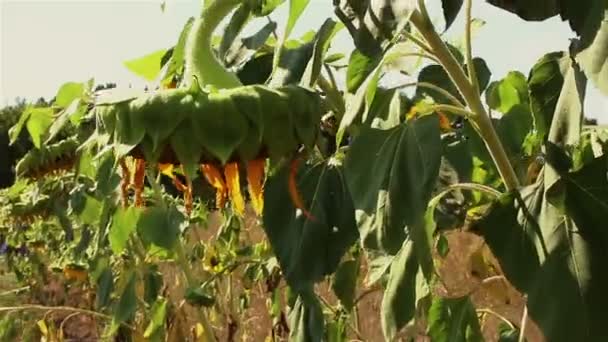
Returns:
<point x="45" y="43"/>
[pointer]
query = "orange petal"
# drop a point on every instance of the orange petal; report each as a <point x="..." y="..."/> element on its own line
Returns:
<point x="214" y="177"/>
<point x="444" y="122"/>
<point x="231" y="173"/>
<point x="187" y="195"/>
<point x="255" y="181"/>
<point x="293" y="190"/>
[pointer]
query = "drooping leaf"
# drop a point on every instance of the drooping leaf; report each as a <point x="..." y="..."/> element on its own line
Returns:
<point x="69" y="92"/>
<point x="248" y="49"/>
<point x="391" y="175"/>
<point x="401" y="293"/>
<point x="158" y="313"/>
<point x="153" y="283"/>
<point x="359" y="67"/>
<point x="148" y="66"/>
<point x="321" y="44"/>
<point x="545" y="82"/>
<point x="237" y="22"/>
<point x="450" y="11"/>
<point x="306" y="319"/>
<point x="593" y="59"/>
<point x="127" y="303"/>
<point x="529" y="10"/>
<point x="453" y="320"/>
<point x="38" y="122"/>
<point x="160" y="226"/>
<point x="176" y="63"/>
<point x="309" y="249"/>
<point x="105" y="285"/>
<point x="124" y="222"/>
<point x="344" y="283"/>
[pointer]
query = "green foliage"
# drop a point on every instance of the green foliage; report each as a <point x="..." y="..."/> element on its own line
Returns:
<point x="338" y="164"/>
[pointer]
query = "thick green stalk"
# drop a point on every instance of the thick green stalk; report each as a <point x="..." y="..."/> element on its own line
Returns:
<point x="481" y="119"/>
<point x="201" y="61"/>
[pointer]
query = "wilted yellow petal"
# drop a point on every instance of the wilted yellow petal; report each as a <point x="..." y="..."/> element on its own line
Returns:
<point x="231" y="173"/>
<point x="255" y="181"/>
<point x="444" y="122"/>
<point x="166" y="169"/>
<point x="214" y="177"/>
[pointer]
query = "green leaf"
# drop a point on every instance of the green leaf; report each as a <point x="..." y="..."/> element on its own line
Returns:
<point x="148" y="66"/>
<point x="68" y="92"/>
<point x="38" y="122"/>
<point x="176" y="63"/>
<point x="160" y="226"/>
<point x="514" y="127"/>
<point x="453" y="320"/>
<point x="378" y="267"/>
<point x="309" y="249"/>
<point x="450" y="11"/>
<point x="92" y="211"/>
<point x="436" y="75"/>
<point x="344" y="283"/>
<point x="124" y="222"/>
<point x="530" y="10"/>
<point x="153" y="283"/>
<point x="359" y="67"/>
<point x="321" y="44"/>
<point x="187" y="149"/>
<point x="306" y="319"/>
<point x="105" y="286"/>
<point x="248" y="49"/>
<point x="198" y="296"/>
<point x="391" y="175"/>
<point x="237" y="22"/>
<point x="127" y="304"/>
<point x="15" y="130"/>
<point x="296" y="7"/>
<point x="545" y="82"/>
<point x="292" y="62"/>
<point x="399" y="301"/>
<point x="594" y="58"/>
<point x="508" y="92"/>
<point x="158" y="313"/>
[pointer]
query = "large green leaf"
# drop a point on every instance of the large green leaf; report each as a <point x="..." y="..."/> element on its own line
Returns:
<point x="545" y="82"/>
<point x="38" y="121"/>
<point x="308" y="249"/>
<point x="249" y="48"/>
<point x="514" y="127"/>
<point x="391" y="175"/>
<point x="560" y="221"/>
<point x="69" y="92"/>
<point x="453" y="320"/>
<point x="292" y="62"/>
<point x="510" y="91"/>
<point x="529" y="10"/>
<point x="148" y="66"/>
<point x="594" y="58"/>
<point x="176" y="63"/>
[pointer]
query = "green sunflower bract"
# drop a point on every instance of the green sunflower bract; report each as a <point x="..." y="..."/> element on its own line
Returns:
<point x="228" y="124"/>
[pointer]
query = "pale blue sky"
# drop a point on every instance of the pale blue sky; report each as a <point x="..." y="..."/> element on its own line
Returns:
<point x="44" y="43"/>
